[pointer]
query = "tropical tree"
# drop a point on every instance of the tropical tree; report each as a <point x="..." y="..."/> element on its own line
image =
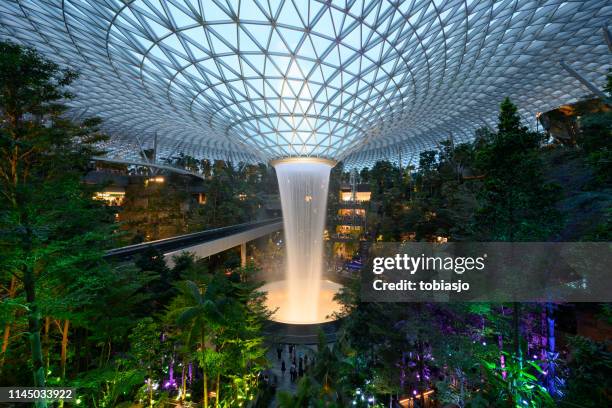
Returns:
<point x="516" y="203"/>
<point x="594" y="139"/>
<point x="515" y="385"/>
<point x="42" y="157"/>
<point x="589" y="374"/>
<point x="199" y="317"/>
<point x="146" y="347"/>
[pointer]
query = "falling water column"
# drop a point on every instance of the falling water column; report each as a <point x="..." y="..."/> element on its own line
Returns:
<point x="303" y="184"/>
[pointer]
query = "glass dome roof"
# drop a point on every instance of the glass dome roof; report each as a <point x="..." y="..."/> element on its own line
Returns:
<point x="254" y="80"/>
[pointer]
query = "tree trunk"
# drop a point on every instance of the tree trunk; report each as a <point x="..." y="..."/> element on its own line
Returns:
<point x="64" y="353"/>
<point x="7" y="328"/>
<point x="150" y="389"/>
<point x="102" y="352"/>
<point x="38" y="369"/>
<point x="551" y="372"/>
<point x="516" y="326"/>
<point x="46" y="345"/>
<point x="108" y="356"/>
<point x="184" y="381"/>
<point x="205" y="381"/>
<point x="421" y="367"/>
<point x="217" y="391"/>
<point x="76" y="365"/>
<point x="5" y="342"/>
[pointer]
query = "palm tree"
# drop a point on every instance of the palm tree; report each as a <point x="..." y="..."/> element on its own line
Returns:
<point x="201" y="315"/>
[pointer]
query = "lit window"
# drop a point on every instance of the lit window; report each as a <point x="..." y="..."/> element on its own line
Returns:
<point x="111" y="197"/>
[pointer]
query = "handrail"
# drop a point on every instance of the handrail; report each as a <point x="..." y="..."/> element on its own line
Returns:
<point x="183" y="241"/>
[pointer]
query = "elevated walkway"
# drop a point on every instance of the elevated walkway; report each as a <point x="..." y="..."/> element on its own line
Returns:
<point x="204" y="243"/>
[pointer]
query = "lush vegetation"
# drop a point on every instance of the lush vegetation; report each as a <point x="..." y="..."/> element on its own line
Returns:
<point x="506" y="185"/>
<point x="119" y="333"/>
<point x="232" y="194"/>
<point x="145" y="333"/>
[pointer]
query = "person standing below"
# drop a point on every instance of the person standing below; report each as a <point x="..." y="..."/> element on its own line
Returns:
<point x="292" y="373"/>
<point x="283" y="367"/>
<point x="279" y="352"/>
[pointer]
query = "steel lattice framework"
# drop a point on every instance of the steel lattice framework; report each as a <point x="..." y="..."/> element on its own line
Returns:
<point x="253" y="80"/>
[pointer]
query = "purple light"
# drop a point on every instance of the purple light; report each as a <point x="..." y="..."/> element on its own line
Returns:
<point x="169" y="384"/>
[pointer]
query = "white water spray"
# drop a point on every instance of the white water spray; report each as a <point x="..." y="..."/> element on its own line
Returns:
<point x="303" y="184"/>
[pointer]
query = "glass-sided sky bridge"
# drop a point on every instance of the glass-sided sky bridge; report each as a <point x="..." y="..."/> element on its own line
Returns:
<point x="255" y="80"/>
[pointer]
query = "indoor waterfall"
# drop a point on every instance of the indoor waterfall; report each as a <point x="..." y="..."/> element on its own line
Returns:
<point x="303" y="184"/>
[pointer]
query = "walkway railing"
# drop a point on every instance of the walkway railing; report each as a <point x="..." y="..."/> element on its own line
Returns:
<point x="185" y="241"/>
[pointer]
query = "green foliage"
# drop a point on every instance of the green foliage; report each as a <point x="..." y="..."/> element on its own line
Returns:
<point x="217" y="322"/>
<point x="50" y="229"/>
<point x="595" y="138"/>
<point x="606" y="313"/>
<point x="494" y="188"/>
<point x="388" y="191"/>
<point x="233" y="194"/>
<point x="589" y="376"/>
<point x="145" y="343"/>
<point x="305" y="396"/>
<point x="106" y="387"/>
<point x="428" y="161"/>
<point x="31" y="83"/>
<point x="515" y="385"/>
<point x="160" y="288"/>
<point x="491" y="189"/>
<point x="509" y="119"/>
<point x="516" y="203"/>
<point x="53" y="235"/>
<point x="152" y="211"/>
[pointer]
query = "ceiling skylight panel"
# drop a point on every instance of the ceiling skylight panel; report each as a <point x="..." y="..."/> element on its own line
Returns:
<point x="217" y="45"/>
<point x="291" y="37"/>
<point x="214" y="13"/>
<point x="421" y="55"/>
<point x="226" y="33"/>
<point x="179" y="15"/>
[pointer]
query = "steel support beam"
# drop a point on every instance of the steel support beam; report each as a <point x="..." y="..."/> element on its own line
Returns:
<point x="153" y="165"/>
<point x="591" y="87"/>
<point x="607" y="37"/>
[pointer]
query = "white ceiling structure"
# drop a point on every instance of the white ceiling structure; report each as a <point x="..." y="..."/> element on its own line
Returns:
<point x="357" y="80"/>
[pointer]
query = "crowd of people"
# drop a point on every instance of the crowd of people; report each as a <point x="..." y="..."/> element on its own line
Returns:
<point x="298" y="361"/>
